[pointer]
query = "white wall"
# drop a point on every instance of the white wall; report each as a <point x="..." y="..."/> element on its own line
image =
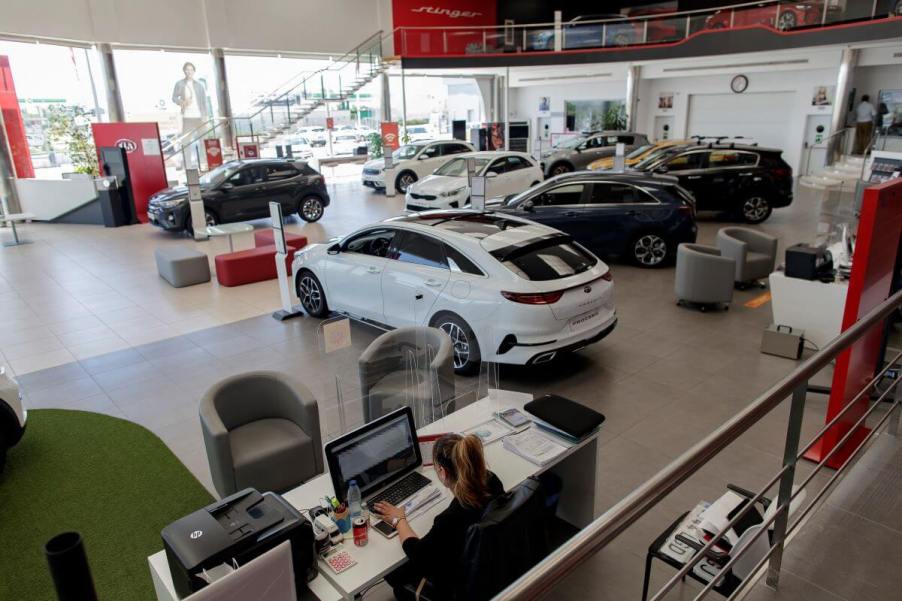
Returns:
<point x="331" y="27"/>
<point x="524" y="101"/>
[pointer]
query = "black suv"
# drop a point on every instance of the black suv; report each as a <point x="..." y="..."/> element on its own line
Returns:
<point x="742" y="179"/>
<point x="242" y="190"/>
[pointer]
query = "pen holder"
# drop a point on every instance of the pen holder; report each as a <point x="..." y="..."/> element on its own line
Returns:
<point x="343" y="520"/>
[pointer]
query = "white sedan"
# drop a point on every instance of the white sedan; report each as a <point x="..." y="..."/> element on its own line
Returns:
<point x="411" y="162"/>
<point x="505" y="289"/>
<point x="506" y="172"/>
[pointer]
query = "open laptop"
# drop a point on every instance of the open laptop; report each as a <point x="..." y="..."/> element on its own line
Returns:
<point x="382" y="456"/>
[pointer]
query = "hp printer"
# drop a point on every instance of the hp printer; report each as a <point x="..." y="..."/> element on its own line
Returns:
<point x="228" y="534"/>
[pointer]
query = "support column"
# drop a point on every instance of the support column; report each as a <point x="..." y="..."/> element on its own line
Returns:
<point x="8" y="188"/>
<point x="386" y="97"/>
<point x="838" y="120"/>
<point x="222" y="95"/>
<point x="507" y="111"/>
<point x="633" y="75"/>
<point x="403" y="105"/>
<point x="111" y="84"/>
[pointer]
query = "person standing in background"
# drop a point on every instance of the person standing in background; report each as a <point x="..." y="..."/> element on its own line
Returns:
<point x="864" y="124"/>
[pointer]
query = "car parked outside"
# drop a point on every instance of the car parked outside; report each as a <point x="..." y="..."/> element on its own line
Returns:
<point x="745" y="180"/>
<point x="242" y="190"/>
<point x="506" y="173"/>
<point x="576" y="153"/>
<point x="637" y="216"/>
<point x="412" y="162"/>
<point x="504" y="289"/>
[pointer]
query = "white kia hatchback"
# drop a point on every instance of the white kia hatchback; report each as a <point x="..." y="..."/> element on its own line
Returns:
<point x="410" y="163"/>
<point x="506" y="173"/>
<point x="505" y="289"/>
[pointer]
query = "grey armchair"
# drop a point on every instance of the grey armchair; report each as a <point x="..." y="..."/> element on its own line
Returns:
<point x="261" y="430"/>
<point x="703" y="276"/>
<point x="409" y="366"/>
<point x="755" y="253"/>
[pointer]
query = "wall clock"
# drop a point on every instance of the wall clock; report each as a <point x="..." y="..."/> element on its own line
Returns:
<point x="739" y="84"/>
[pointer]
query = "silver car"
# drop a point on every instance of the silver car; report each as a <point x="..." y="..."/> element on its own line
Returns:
<point x="576" y="153"/>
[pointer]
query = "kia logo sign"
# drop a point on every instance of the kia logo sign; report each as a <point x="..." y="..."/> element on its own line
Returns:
<point x="213" y="151"/>
<point x="454" y="14"/>
<point x="127" y="145"/>
<point x="196" y="534"/>
<point x="587" y="289"/>
<point x="389" y="139"/>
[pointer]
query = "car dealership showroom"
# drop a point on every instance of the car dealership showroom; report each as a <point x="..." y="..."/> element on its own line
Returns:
<point x="621" y="282"/>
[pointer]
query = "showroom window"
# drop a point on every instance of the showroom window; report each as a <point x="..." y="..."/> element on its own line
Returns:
<point x="60" y="94"/>
<point x="177" y="90"/>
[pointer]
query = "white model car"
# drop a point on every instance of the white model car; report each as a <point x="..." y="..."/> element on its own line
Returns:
<point x="12" y="415"/>
<point x="505" y="289"/>
<point x="412" y="162"/>
<point x="506" y="173"/>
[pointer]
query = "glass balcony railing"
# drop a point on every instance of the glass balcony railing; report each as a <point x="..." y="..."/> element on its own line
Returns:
<point x="643" y="27"/>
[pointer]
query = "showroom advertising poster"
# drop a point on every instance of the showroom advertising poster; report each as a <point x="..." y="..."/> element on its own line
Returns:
<point x="141" y="142"/>
<point x="213" y="148"/>
<point x="457" y="13"/>
<point x="390" y="138"/>
<point x="12" y="119"/>
<point x="876" y="248"/>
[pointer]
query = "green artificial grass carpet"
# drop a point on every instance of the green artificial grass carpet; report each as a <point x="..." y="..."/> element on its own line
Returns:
<point x="111" y="480"/>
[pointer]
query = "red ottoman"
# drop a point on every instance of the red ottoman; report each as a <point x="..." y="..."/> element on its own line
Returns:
<point x="265" y="238"/>
<point x="249" y="266"/>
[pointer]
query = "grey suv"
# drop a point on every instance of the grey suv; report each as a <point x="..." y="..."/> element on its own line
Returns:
<point x="576" y="153"/>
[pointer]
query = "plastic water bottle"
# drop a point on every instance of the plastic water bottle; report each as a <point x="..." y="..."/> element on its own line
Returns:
<point x="354" y="499"/>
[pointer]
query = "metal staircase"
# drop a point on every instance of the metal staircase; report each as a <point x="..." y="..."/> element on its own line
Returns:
<point x="285" y="109"/>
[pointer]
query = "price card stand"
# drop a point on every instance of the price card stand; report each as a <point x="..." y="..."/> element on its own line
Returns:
<point x="388" y="175"/>
<point x="477" y="192"/>
<point x="196" y="206"/>
<point x="620" y="157"/>
<point x="288" y="310"/>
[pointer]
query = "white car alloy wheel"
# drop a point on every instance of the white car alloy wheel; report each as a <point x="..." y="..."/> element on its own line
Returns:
<point x="311" y="209"/>
<point x="404" y="181"/>
<point x="650" y="250"/>
<point x="210" y="218"/>
<point x="460" y="340"/>
<point x="311" y="295"/>
<point x="560" y="169"/>
<point x="755" y="209"/>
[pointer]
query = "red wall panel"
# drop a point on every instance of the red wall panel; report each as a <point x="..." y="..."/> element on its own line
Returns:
<point x="147" y="171"/>
<point x="12" y="118"/>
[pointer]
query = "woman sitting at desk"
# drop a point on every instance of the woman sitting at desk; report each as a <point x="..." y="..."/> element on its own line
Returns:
<point x="460" y="466"/>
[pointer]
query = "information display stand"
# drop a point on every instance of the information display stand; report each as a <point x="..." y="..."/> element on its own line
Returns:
<point x="196" y="206"/>
<point x="288" y="310"/>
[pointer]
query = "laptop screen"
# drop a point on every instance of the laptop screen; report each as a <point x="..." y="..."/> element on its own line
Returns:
<point x="374" y="455"/>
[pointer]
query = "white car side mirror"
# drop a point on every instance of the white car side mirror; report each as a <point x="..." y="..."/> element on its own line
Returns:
<point x="491" y="174"/>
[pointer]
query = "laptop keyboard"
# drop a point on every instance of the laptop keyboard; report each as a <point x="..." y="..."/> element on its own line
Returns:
<point x="400" y="490"/>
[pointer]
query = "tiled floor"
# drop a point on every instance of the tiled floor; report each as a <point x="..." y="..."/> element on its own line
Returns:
<point x="86" y="323"/>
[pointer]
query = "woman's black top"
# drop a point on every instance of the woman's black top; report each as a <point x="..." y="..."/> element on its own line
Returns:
<point x="437" y="556"/>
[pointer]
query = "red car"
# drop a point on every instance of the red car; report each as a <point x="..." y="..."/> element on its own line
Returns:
<point x="779" y="16"/>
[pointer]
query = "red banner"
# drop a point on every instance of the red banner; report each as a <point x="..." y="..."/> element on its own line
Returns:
<point x="330" y="123"/>
<point x="12" y="118"/>
<point x="141" y="142"/>
<point x="390" y="137"/>
<point x="248" y="150"/>
<point x="214" y="152"/>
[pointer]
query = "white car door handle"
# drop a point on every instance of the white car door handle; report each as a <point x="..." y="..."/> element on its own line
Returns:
<point x="373" y="270"/>
<point x="433" y="283"/>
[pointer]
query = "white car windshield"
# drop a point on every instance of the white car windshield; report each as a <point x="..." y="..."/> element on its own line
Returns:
<point x="407" y="151"/>
<point x="458" y="167"/>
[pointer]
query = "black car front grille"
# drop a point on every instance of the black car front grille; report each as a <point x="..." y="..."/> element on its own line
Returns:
<point x="416" y="196"/>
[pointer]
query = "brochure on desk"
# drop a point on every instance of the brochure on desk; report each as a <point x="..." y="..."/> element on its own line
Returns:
<point x="691" y="528"/>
